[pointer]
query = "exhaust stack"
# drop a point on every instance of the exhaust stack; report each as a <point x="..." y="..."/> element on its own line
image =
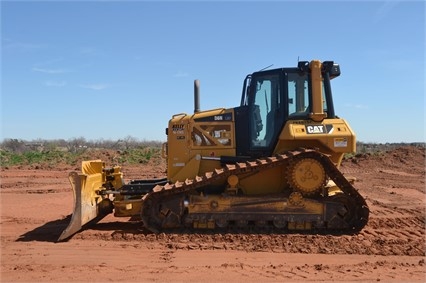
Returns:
<point x="196" y="96"/>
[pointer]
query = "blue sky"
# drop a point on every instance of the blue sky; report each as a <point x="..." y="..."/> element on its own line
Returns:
<point x="109" y="69"/>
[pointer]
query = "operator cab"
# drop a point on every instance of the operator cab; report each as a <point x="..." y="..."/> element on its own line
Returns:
<point x="272" y="97"/>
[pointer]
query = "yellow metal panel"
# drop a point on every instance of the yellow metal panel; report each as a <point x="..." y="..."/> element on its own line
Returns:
<point x="331" y="136"/>
<point x="207" y="133"/>
<point x="127" y="208"/>
<point x="263" y="182"/>
<point x="186" y="170"/>
<point x="317" y="98"/>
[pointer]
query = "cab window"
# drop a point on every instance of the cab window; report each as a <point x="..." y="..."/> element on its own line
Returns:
<point x="298" y="96"/>
<point x="266" y="103"/>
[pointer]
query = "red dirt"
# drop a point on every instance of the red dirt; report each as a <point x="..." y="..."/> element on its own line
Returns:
<point x="36" y="203"/>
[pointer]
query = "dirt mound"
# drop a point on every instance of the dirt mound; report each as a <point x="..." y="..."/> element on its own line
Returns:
<point x="406" y="158"/>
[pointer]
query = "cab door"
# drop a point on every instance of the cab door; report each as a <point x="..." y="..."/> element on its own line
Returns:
<point x="266" y="111"/>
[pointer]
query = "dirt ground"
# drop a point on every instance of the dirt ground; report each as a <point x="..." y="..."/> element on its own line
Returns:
<point x="36" y="203"/>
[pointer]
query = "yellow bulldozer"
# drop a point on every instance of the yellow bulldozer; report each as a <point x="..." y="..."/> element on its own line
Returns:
<point x="272" y="162"/>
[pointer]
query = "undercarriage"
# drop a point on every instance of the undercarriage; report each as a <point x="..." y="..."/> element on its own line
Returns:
<point x="317" y="197"/>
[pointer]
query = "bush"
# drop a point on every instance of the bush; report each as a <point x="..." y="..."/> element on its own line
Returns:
<point x="140" y="155"/>
<point x="54" y="157"/>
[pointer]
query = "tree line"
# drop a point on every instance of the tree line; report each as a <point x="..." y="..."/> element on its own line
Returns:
<point x="129" y="142"/>
<point x="75" y="144"/>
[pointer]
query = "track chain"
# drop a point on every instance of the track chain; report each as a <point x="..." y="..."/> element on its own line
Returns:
<point x="151" y="202"/>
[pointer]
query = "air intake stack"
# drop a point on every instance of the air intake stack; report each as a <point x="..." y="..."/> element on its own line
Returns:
<point x="196" y="96"/>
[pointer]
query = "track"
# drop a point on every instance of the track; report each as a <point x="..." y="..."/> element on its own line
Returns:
<point x="163" y="208"/>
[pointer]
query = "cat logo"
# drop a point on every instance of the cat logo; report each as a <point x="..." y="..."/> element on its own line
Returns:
<point x="315" y="129"/>
<point x="319" y="129"/>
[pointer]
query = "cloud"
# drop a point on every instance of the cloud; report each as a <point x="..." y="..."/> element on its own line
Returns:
<point x="49" y="71"/>
<point x="10" y="44"/>
<point x="55" y="83"/>
<point x="384" y="10"/>
<point x="95" y="86"/>
<point x="180" y="74"/>
<point x="49" y="62"/>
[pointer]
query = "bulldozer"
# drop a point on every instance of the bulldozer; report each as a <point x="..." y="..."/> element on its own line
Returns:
<point x="272" y="162"/>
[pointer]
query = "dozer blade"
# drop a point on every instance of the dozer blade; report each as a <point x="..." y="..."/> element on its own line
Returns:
<point x="89" y="207"/>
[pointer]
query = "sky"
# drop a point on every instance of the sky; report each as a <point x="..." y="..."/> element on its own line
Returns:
<point x="114" y="69"/>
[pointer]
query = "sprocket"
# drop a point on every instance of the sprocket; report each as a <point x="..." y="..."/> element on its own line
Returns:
<point x="307" y="176"/>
